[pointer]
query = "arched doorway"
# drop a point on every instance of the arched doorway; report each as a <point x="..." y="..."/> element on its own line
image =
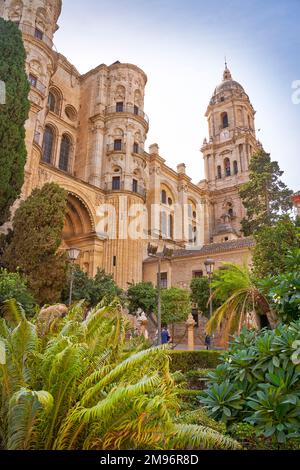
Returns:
<point x="79" y="232"/>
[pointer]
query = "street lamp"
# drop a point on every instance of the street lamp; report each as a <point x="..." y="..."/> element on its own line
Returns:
<point x="73" y="254"/>
<point x="209" y="266"/>
<point x="167" y="253"/>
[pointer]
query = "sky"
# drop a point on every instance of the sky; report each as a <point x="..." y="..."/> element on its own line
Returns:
<point x="181" y="45"/>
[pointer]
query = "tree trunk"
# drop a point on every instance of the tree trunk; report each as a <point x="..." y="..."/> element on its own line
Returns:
<point x="272" y="319"/>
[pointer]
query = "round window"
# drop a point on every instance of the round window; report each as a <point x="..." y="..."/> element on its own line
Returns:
<point x="71" y="113"/>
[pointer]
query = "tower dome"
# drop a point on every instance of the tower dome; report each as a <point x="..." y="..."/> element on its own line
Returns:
<point x="227" y="87"/>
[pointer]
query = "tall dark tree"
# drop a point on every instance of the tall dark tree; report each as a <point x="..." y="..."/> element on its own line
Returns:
<point x="13" y="114"/>
<point x="264" y="196"/>
<point x="37" y="233"/>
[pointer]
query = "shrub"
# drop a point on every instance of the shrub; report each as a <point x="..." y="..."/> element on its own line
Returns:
<point x="192" y="360"/>
<point x="13" y="286"/>
<point x="258" y="383"/>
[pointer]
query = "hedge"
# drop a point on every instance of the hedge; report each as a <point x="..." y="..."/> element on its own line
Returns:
<point x="192" y="360"/>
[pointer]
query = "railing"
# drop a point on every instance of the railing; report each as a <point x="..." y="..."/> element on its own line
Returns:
<point x="139" y="190"/>
<point x="36" y="84"/>
<point x="127" y="109"/>
<point x="138" y="150"/>
<point x="36" y="34"/>
<point x="114" y="186"/>
<point x="115" y="148"/>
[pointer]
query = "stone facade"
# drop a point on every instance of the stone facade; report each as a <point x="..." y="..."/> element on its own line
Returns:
<point x="88" y="132"/>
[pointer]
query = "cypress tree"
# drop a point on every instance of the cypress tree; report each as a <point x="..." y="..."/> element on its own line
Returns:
<point x="13" y="114"/>
<point x="33" y="250"/>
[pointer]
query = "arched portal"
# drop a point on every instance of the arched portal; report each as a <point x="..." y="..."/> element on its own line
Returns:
<point x="79" y="232"/>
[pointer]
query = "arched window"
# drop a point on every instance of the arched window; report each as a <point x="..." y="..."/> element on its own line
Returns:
<point x="48" y="145"/>
<point x="224" y="119"/>
<point x="135" y="147"/>
<point x="235" y="167"/>
<point x="54" y="101"/>
<point x="171" y="226"/>
<point x="163" y="224"/>
<point x="219" y="172"/>
<point x="65" y="150"/>
<point x="227" y="167"/>
<point x="163" y="197"/>
<point x="191" y="233"/>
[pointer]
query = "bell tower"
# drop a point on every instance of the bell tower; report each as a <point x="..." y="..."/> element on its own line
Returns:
<point x="227" y="153"/>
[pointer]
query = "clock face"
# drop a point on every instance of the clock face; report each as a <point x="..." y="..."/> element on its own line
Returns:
<point x="224" y="135"/>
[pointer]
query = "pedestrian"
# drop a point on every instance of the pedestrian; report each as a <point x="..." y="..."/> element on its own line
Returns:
<point x="165" y="336"/>
<point x="207" y="341"/>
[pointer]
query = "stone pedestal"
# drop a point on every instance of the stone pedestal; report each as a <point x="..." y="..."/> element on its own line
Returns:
<point x="190" y="327"/>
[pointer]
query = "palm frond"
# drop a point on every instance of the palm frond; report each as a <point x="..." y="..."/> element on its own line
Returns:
<point x="190" y="436"/>
<point x="24" y="409"/>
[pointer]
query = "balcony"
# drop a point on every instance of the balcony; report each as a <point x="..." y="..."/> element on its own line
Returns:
<point x="127" y="109"/>
<point x="36" y="34"/>
<point x="113" y="148"/>
<point x="115" y="186"/>
<point x="138" y="150"/>
<point x="35" y="84"/>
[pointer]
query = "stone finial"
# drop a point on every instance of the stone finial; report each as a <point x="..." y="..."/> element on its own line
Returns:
<point x="154" y="149"/>
<point x="181" y="169"/>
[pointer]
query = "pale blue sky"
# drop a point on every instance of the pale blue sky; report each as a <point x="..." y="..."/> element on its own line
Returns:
<point x="181" y="46"/>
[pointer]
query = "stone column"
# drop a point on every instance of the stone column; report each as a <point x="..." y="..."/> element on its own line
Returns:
<point x="190" y="323"/>
<point x="96" y="157"/>
<point x="129" y="136"/>
<point x="56" y="151"/>
<point x="206" y="168"/>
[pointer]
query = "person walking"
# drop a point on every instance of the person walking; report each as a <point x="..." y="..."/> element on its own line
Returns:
<point x="165" y="336"/>
<point x="207" y="341"/>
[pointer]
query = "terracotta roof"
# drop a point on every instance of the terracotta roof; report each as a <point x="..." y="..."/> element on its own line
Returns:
<point x="215" y="248"/>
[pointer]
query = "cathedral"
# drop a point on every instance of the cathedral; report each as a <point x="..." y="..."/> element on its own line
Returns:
<point x="87" y="133"/>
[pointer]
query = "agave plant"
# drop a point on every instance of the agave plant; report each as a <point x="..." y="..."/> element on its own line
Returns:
<point x="86" y="385"/>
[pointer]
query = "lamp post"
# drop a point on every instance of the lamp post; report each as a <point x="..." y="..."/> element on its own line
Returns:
<point x="73" y="254"/>
<point x="166" y="254"/>
<point x="209" y="266"/>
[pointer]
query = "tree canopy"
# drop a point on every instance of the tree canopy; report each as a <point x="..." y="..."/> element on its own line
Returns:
<point x="264" y="196"/>
<point x="13" y="115"/>
<point x="175" y="305"/>
<point x="200" y="294"/>
<point x="273" y="243"/>
<point x="142" y="296"/>
<point x="92" y="290"/>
